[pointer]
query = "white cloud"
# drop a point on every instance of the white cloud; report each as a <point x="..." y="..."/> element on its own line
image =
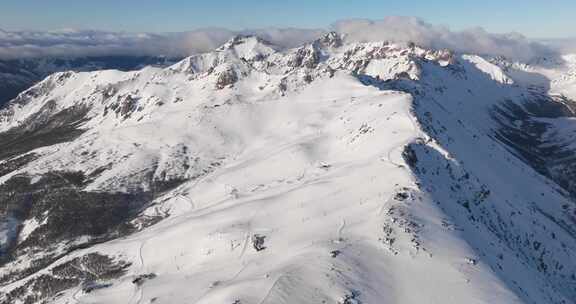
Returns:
<point x="564" y="45"/>
<point x="411" y="29"/>
<point x="75" y="43"/>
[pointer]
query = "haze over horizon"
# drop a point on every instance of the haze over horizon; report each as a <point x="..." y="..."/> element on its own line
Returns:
<point x="73" y="43"/>
<point x="181" y="16"/>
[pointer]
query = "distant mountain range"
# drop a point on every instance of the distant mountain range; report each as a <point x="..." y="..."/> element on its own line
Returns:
<point x="333" y="172"/>
<point x="20" y="74"/>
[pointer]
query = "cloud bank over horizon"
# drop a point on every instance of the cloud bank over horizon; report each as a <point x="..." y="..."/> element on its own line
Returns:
<point x="474" y="40"/>
<point x="90" y="43"/>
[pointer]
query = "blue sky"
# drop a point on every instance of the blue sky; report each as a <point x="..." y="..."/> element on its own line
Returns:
<point x="534" y="18"/>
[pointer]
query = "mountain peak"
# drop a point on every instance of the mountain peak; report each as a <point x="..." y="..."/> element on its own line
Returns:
<point x="243" y="38"/>
<point x="331" y="39"/>
<point x="249" y="47"/>
<point x="237" y="167"/>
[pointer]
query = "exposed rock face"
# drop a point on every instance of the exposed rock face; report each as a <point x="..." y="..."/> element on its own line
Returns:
<point x="226" y="78"/>
<point x="330" y="173"/>
<point x="305" y="57"/>
<point x="331" y="40"/>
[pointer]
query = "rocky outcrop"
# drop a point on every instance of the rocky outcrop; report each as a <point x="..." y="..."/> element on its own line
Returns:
<point x="226" y="78"/>
<point x="90" y="271"/>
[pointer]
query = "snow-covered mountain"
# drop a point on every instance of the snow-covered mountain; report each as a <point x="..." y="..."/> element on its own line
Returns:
<point x="18" y="75"/>
<point x="334" y="172"/>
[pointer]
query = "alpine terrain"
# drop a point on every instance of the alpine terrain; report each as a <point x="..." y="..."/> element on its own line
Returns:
<point x="17" y="75"/>
<point x="335" y="172"/>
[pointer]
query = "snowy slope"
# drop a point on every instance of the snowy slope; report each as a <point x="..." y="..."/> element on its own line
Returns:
<point x="555" y="75"/>
<point x="19" y="75"/>
<point x="330" y="173"/>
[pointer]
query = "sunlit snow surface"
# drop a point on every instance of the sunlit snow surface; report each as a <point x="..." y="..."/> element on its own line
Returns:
<point x="311" y="182"/>
<point x="318" y="170"/>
